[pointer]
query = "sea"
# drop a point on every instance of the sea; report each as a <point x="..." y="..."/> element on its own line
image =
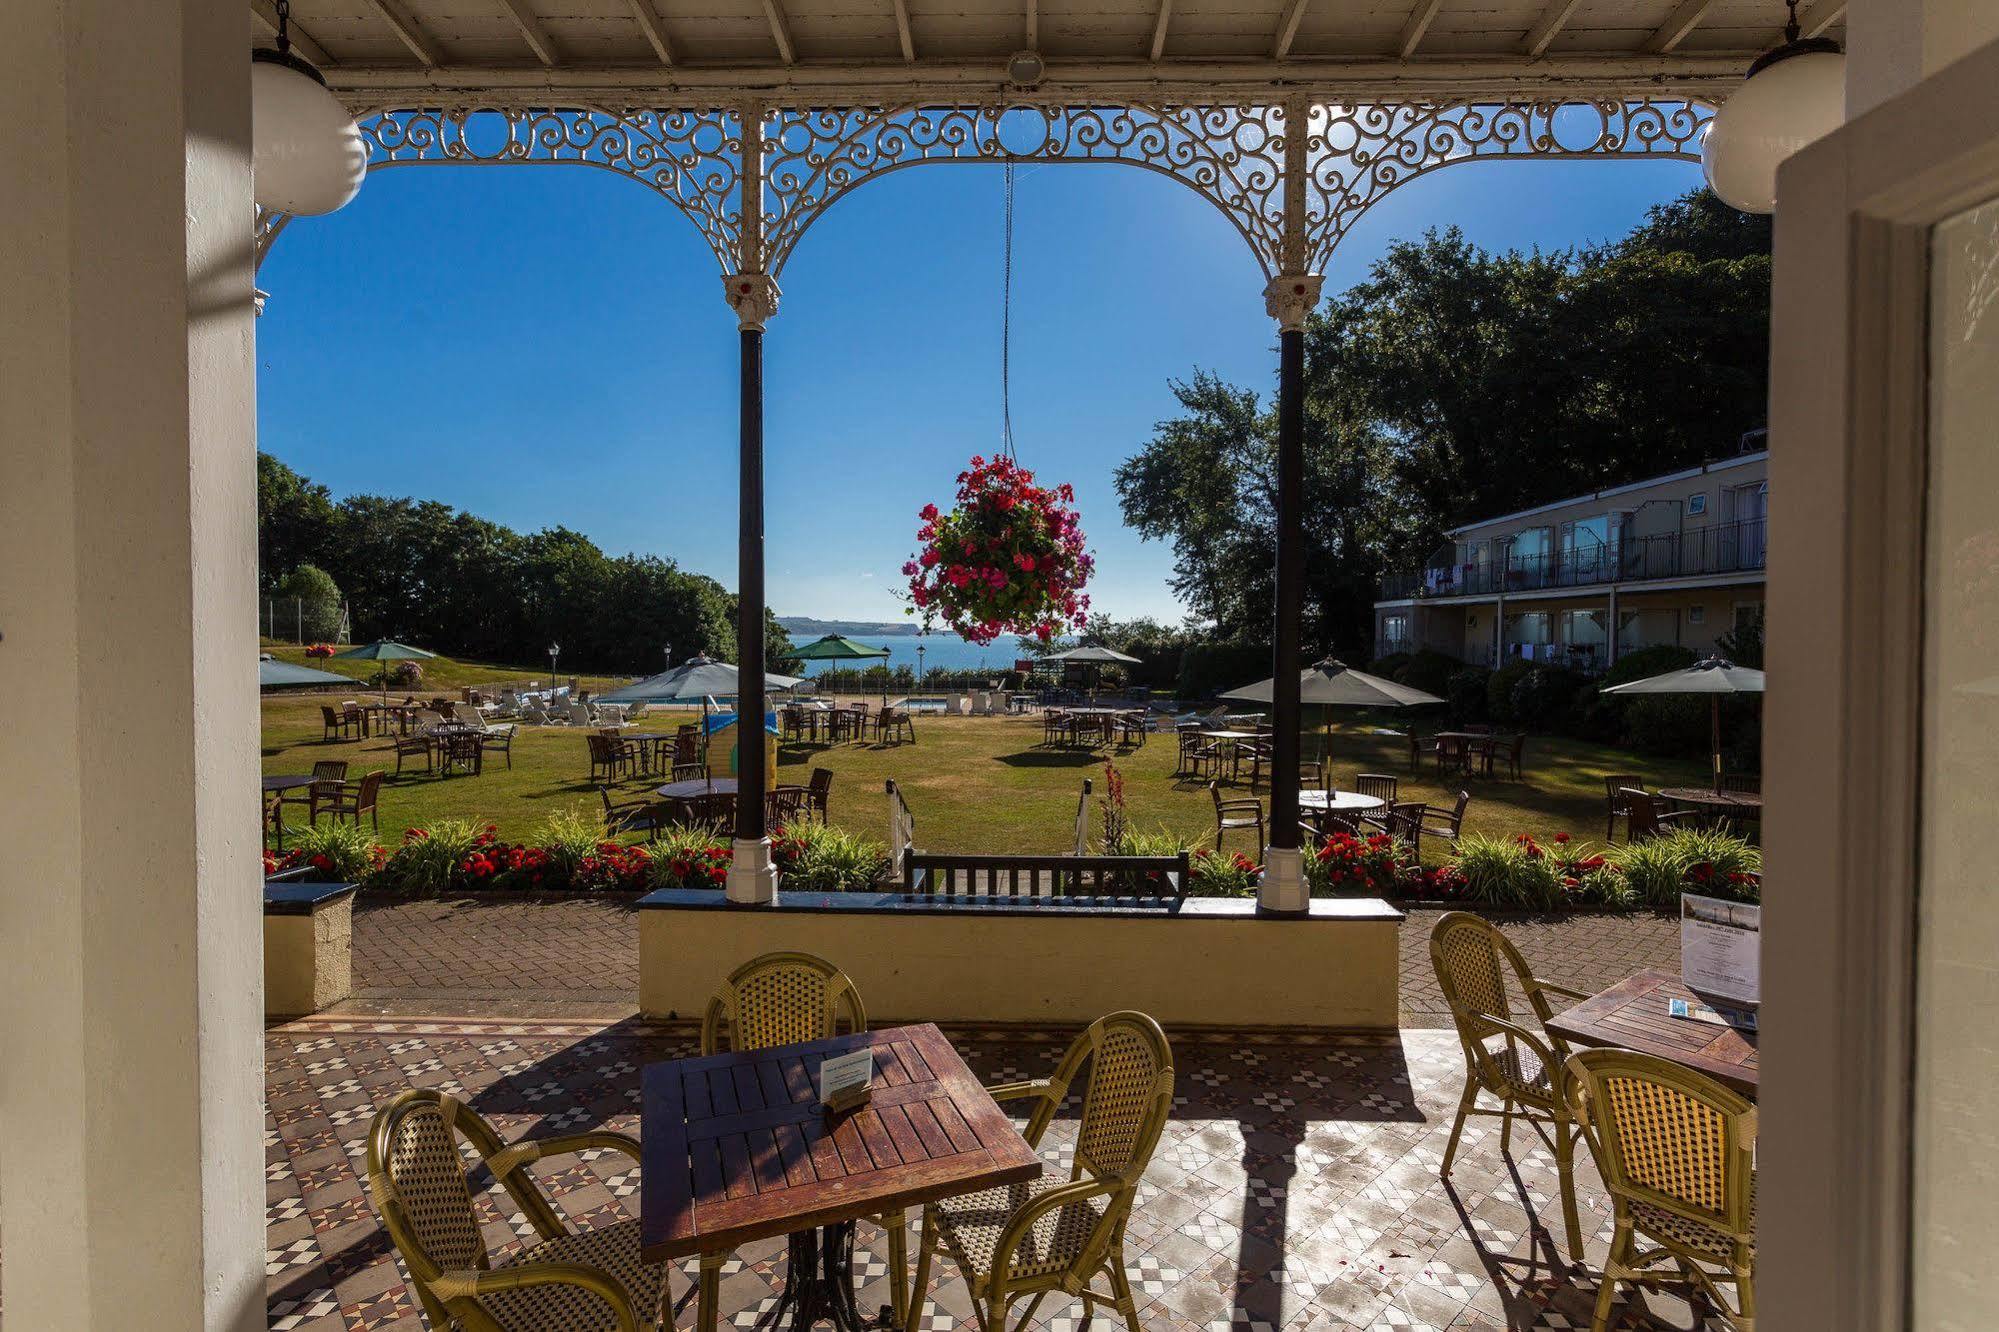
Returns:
<point x="941" y="652"/>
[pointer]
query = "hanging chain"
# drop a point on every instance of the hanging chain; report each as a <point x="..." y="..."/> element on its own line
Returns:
<point x="1006" y="323"/>
<point x="1791" y="24"/>
<point x="284" y="21"/>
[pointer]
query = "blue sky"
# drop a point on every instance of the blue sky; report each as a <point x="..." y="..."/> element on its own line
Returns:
<point x="550" y="346"/>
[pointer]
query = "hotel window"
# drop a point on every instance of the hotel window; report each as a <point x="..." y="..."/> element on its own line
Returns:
<point x="1583" y="628"/>
<point x="1394" y="634"/>
<point x="1528" y="559"/>
<point x="1588" y="550"/>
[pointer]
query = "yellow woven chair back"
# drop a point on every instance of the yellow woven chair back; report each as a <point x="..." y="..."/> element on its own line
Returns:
<point x="1471" y="957"/>
<point x="1668" y="1136"/>
<point x="1129" y="1096"/>
<point x="779" y="999"/>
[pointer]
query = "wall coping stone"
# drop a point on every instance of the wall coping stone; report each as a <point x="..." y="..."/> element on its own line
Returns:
<point x="1333" y="910"/>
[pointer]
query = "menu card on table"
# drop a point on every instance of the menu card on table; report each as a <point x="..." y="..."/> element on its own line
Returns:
<point x="1721" y="947"/>
<point x="846" y="1080"/>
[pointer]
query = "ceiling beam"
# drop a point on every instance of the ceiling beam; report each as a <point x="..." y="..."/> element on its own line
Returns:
<point x="1032" y="17"/>
<point x="1159" y="28"/>
<point x="419" y="43"/>
<point x="537" y="36"/>
<point x="1419" y="22"/>
<point x="1686" y="16"/>
<point x="267" y="14"/>
<point x="649" y="23"/>
<point x="1553" y="19"/>
<point x="902" y="31"/>
<point x="1287" y="29"/>
<point x="780" y="32"/>
<point x="1815" y="20"/>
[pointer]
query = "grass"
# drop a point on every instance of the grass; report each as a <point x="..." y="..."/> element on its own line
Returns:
<point x="974" y="784"/>
<point x="440" y="674"/>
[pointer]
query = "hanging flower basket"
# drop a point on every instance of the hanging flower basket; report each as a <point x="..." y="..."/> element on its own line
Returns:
<point x="1008" y="559"/>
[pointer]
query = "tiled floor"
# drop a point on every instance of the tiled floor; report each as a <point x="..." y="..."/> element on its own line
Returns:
<point x="1296" y="1186"/>
<point x="450" y="953"/>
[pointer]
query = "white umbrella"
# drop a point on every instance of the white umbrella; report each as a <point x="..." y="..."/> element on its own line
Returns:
<point x="1093" y="657"/>
<point x="1334" y="684"/>
<point x="1714" y="677"/>
<point x="697" y="677"/>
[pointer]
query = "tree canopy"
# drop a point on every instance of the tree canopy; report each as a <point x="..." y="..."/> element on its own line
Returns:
<point x="1453" y="385"/>
<point x="425" y="573"/>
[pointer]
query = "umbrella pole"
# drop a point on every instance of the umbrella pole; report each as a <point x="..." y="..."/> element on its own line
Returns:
<point x="1714" y="722"/>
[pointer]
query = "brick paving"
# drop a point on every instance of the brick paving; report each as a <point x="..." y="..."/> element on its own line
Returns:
<point x="542" y="954"/>
<point x="1296" y="1186"/>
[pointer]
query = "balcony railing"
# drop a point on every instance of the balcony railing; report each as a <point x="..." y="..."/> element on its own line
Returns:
<point x="1722" y="548"/>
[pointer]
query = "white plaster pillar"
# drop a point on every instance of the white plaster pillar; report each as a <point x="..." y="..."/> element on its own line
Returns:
<point x="131" y="1170"/>
<point x="1891" y="45"/>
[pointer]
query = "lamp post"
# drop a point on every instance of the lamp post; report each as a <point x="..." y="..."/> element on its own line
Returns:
<point x="554" y="651"/>
<point x="668" y="650"/>
<point x="919" y="663"/>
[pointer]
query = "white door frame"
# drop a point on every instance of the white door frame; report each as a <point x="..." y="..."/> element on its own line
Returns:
<point x="1848" y="425"/>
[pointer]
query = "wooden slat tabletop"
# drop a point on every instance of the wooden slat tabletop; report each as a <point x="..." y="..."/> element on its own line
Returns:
<point x="736" y="1149"/>
<point x="1632" y="1015"/>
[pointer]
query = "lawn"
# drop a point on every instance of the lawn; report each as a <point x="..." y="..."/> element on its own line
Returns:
<point x="974" y="784"/>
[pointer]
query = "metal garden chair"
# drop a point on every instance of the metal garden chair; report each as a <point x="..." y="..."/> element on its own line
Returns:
<point x="1503" y="1058"/>
<point x="564" y="1280"/>
<point x="1677" y="1151"/>
<point x="1025" y="1240"/>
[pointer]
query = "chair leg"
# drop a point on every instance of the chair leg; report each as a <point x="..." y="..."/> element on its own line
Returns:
<point x="1121" y="1287"/>
<point x="1465" y="1104"/>
<point x="1565" y="1169"/>
<point x="1612" y="1269"/>
<point x="926" y="1244"/>
<point x="708" y="1306"/>
<point x="1506" y="1130"/>
<point x="898" y="1264"/>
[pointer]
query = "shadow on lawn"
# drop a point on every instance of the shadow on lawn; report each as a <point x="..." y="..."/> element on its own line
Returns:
<point x="1053" y="758"/>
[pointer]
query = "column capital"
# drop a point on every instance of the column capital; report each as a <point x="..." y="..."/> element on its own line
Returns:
<point x="753" y="296"/>
<point x="1289" y="298"/>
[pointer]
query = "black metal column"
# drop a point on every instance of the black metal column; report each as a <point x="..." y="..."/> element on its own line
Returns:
<point x="750" y="752"/>
<point x="1286" y="722"/>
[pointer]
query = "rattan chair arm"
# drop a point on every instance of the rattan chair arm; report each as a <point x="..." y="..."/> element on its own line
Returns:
<point x="1042" y="1089"/>
<point x="1022" y="1221"/>
<point x="1539" y="986"/>
<point x="476" y="1283"/>
<point x="1557" y="1074"/>
<point x="515" y="1155"/>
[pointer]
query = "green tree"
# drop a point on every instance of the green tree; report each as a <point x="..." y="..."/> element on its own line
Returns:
<point x="307" y="601"/>
<point x="294" y="519"/>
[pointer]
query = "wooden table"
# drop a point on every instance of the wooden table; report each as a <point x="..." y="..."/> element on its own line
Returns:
<point x="278" y="785"/>
<point x="1632" y="1014"/>
<point x="648" y="744"/>
<point x="736" y="1149"/>
<point x="1709" y="800"/>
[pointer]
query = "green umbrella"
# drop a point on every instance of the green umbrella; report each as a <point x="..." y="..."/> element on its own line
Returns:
<point x="384" y="650"/>
<point x="1713" y="676"/>
<point x="834" y="647"/>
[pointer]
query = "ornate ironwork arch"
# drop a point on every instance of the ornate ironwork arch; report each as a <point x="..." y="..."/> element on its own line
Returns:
<point x="692" y="158"/>
<point x="1235" y="155"/>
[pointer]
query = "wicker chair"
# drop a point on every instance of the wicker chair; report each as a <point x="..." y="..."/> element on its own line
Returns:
<point x="581" y="1279"/>
<point x="410" y="746"/>
<point x="606" y="758"/>
<point x="1503" y="1058"/>
<point x="1615" y="806"/>
<point x="349" y="800"/>
<point x="779" y="999"/>
<point x="500" y="740"/>
<point x="1029" y="1239"/>
<point x="1240" y="813"/>
<point x="338" y="726"/>
<point x="1677" y="1151"/>
<point x="818" y="791"/>
<point x="1447" y="826"/>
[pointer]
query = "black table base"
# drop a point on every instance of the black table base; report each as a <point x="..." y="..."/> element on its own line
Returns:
<point x="819" y="1285"/>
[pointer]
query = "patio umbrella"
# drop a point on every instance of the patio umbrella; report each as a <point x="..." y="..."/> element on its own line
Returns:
<point x="1096" y="658"/>
<point x="697" y="677"/>
<point x="835" y="647"/>
<point x="1714" y="677"/>
<point x="1334" y="684"/>
<point x="383" y="649"/>
<point x="273" y="674"/>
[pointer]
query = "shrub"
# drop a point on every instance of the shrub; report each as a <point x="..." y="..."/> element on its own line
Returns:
<point x="1429" y="671"/>
<point x="612" y="866"/>
<point x="1215" y="875"/>
<point x="309" y="599"/>
<point x="1511" y="872"/>
<point x="1466" y="690"/>
<point x="688" y="858"/>
<point x="816" y="857"/>
<point x="567" y="837"/>
<point x="433" y="860"/>
<point x="1543" y="696"/>
<point x="1692" y="860"/>
<point x="1387" y="666"/>
<point x="405" y="675"/>
<point x="336" y="853"/>
<point x="1641" y="662"/>
<point x="1346" y="865"/>
<point x="1499" y="687"/>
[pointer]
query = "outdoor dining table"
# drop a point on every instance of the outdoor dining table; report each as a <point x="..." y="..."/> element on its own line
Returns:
<point x="696" y="786"/>
<point x="648" y="744"/>
<point x="1710" y="801"/>
<point x="277" y="786"/>
<point x="1231" y="741"/>
<point x="1341" y="802"/>
<point x="403" y="713"/>
<point x="1633" y="1015"/>
<point x="736" y="1149"/>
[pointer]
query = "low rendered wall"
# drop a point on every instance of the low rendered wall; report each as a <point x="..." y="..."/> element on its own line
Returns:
<point x="308" y="947"/>
<point x="1215" y="962"/>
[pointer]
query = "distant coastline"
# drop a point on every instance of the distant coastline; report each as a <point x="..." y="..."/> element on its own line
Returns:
<point x="802" y="624"/>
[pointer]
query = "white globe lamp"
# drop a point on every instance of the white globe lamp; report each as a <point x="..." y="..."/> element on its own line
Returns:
<point x="1794" y="94"/>
<point x="306" y="154"/>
